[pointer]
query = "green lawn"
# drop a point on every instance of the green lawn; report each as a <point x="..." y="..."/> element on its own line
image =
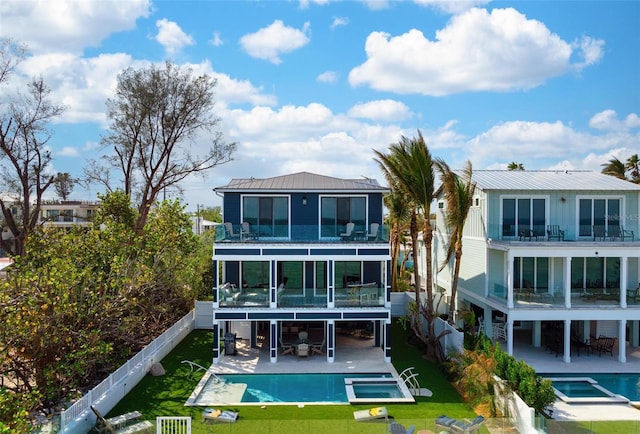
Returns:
<point x="166" y="395"/>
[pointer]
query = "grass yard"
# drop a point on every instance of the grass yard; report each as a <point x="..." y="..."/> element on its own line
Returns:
<point x="166" y="395"/>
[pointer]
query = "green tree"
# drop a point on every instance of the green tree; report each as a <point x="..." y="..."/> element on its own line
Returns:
<point x="155" y="114"/>
<point x="458" y="194"/>
<point x="515" y="166"/>
<point x="629" y="170"/>
<point x="211" y="213"/>
<point x="398" y="219"/>
<point x="64" y="183"/>
<point x="410" y="167"/>
<point x="24" y="155"/>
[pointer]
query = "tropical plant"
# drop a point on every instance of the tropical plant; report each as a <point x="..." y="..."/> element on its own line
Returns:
<point x="409" y="167"/>
<point x="396" y="203"/>
<point x="458" y="194"/>
<point x="629" y="170"/>
<point x="515" y="166"/>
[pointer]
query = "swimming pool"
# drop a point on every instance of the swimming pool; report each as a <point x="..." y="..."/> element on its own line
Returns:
<point x="248" y="389"/>
<point x="627" y="385"/>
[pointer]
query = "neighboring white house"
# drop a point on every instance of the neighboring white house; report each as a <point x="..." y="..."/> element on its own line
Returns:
<point x="68" y="213"/>
<point x="555" y="253"/>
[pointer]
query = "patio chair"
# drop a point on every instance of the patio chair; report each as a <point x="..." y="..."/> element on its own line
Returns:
<point x="373" y="232"/>
<point x="620" y="232"/>
<point x="217" y="415"/>
<point x="371" y="414"/>
<point x="396" y="428"/>
<point x="318" y="348"/>
<point x="123" y="424"/>
<point x="286" y="348"/>
<point x="450" y="424"/>
<point x="348" y="232"/>
<point x="230" y="234"/>
<point x="599" y="233"/>
<point x="555" y="233"/>
<point x="604" y="344"/>
<point x="303" y="350"/>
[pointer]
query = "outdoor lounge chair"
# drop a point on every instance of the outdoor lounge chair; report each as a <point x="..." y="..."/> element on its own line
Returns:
<point x="216" y="415"/>
<point x="373" y="232"/>
<point x="555" y="233"/>
<point x="396" y="428"/>
<point x="286" y="348"/>
<point x="303" y="350"/>
<point x="452" y="425"/>
<point x="371" y="414"/>
<point x="230" y="234"/>
<point x="348" y="232"/>
<point x="123" y="424"/>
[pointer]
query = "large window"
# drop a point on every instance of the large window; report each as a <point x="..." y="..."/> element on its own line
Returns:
<point x="595" y="273"/>
<point x="603" y="213"/>
<point x="267" y="216"/>
<point x="531" y="273"/>
<point x="518" y="214"/>
<point x="336" y="212"/>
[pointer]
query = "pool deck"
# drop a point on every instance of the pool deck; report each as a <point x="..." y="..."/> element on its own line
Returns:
<point x="360" y="356"/>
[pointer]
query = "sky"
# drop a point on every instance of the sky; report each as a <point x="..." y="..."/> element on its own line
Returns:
<point x="317" y="85"/>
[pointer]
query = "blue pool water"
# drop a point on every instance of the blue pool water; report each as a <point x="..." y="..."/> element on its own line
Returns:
<point x="627" y="385"/>
<point x="295" y="387"/>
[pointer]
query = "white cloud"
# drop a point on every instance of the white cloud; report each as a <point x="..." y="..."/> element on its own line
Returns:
<point x="608" y="120"/>
<point x="328" y="77"/>
<point x="477" y="51"/>
<point x="452" y="7"/>
<point x="68" y="151"/>
<point x="590" y="50"/>
<point x="376" y="5"/>
<point x="171" y="36"/>
<point x="270" y="42"/>
<point x="339" y="22"/>
<point x="68" y="25"/>
<point x="381" y="110"/>
<point x="216" y="40"/>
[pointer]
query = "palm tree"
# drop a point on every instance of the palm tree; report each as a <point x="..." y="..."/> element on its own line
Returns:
<point x="615" y="168"/>
<point x="410" y="167"/>
<point x="515" y="166"/>
<point x="632" y="165"/>
<point x="397" y="204"/>
<point x="458" y="194"/>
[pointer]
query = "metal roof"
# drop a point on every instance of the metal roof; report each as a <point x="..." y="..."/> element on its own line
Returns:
<point x="302" y="181"/>
<point x="570" y="180"/>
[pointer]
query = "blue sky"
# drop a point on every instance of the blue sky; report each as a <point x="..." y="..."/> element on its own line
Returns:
<point x="316" y="85"/>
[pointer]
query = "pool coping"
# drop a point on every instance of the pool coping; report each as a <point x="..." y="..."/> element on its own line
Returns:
<point x="611" y="398"/>
<point x="353" y="399"/>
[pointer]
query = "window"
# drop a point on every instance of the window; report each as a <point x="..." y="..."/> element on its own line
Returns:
<point x="531" y="273"/>
<point x="336" y="212"/>
<point x="523" y="214"/>
<point x="347" y="272"/>
<point x="255" y="274"/>
<point x="268" y="216"/>
<point x="292" y="270"/>
<point x="598" y="212"/>
<point x="595" y="273"/>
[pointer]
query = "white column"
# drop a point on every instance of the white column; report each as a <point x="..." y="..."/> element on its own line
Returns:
<point x="331" y="340"/>
<point x="509" y="280"/>
<point x="623" y="281"/>
<point x="567" y="341"/>
<point x="510" y="336"/>
<point x="567" y="282"/>
<point x="622" y="347"/>
<point x="331" y="291"/>
<point x="537" y="334"/>
<point x="488" y="322"/>
<point x="273" y="341"/>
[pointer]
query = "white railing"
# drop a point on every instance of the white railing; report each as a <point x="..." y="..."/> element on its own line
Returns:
<point x="80" y="419"/>
<point x="173" y="425"/>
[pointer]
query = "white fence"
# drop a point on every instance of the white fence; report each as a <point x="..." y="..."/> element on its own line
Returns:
<point x="173" y="425"/>
<point x="80" y="419"/>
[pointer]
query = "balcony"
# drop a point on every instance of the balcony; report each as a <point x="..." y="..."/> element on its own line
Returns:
<point x="301" y="234"/>
<point x="587" y="298"/>
<point x="370" y="295"/>
<point x="620" y="235"/>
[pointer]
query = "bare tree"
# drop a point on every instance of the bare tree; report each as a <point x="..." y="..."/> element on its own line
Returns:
<point x="24" y="158"/>
<point x="155" y="113"/>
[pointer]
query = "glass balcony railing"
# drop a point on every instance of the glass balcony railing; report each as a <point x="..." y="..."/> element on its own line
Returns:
<point x="579" y="298"/>
<point x="354" y="296"/>
<point x="564" y="232"/>
<point x="300" y="234"/>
